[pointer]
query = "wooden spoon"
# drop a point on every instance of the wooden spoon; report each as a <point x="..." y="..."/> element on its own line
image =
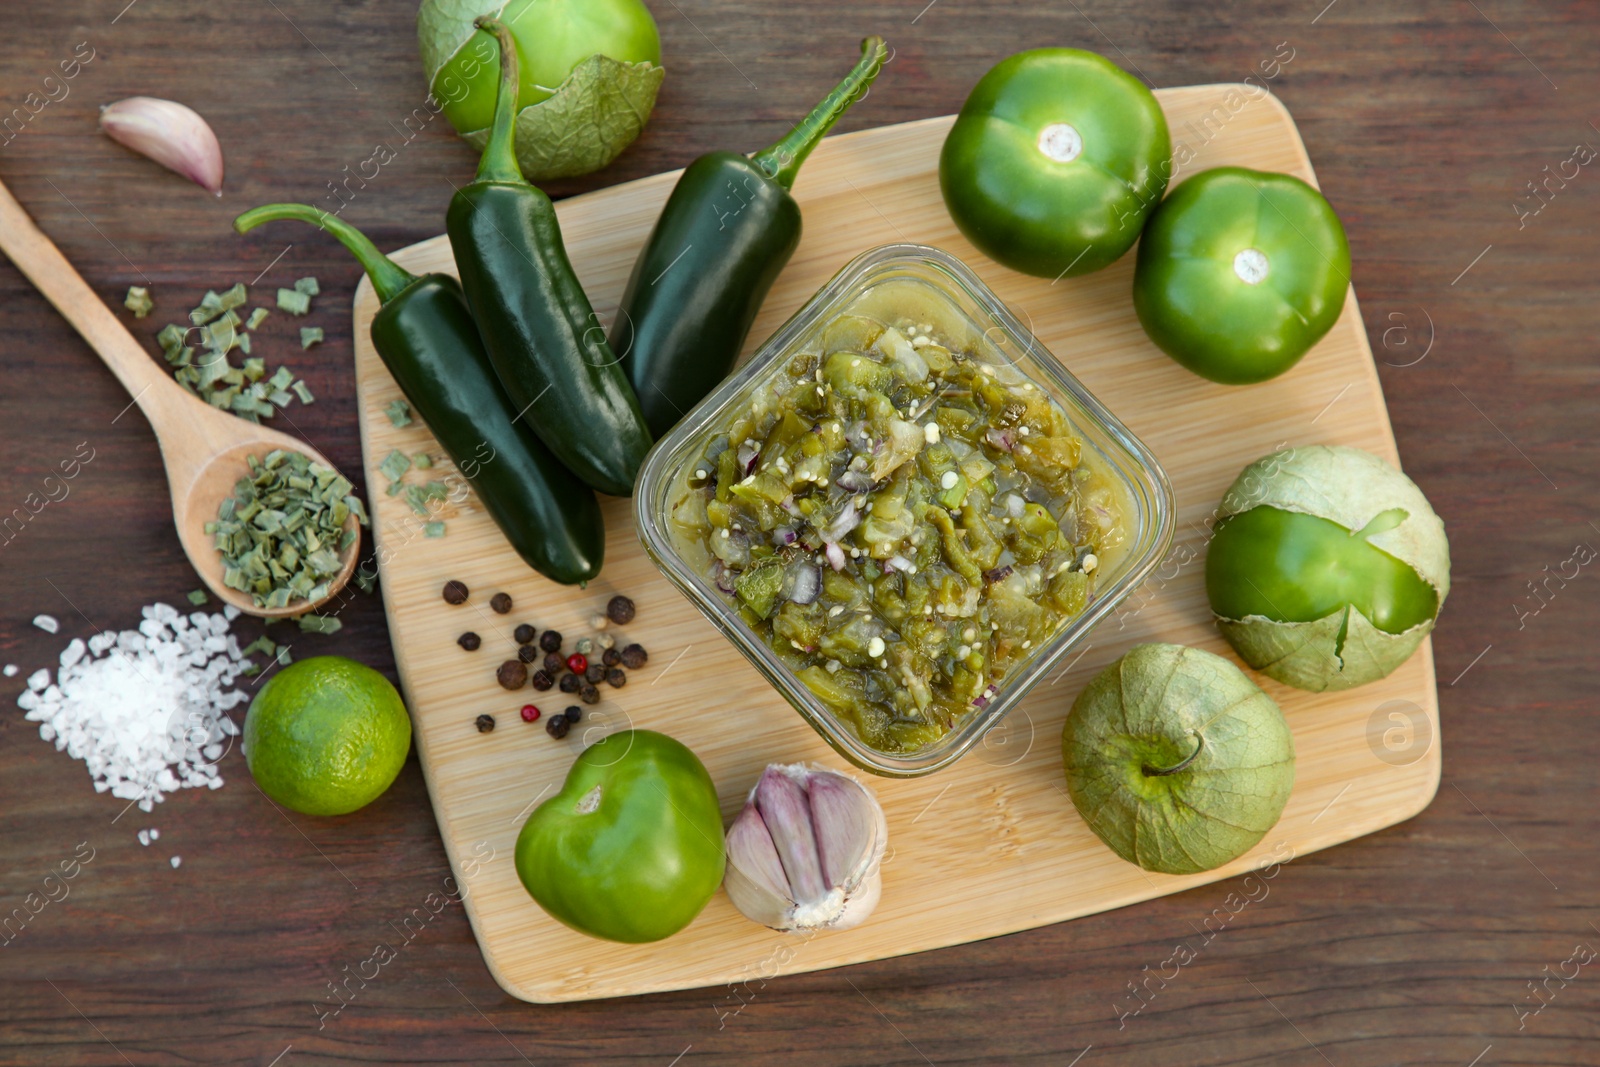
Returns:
<point x="203" y="447"/>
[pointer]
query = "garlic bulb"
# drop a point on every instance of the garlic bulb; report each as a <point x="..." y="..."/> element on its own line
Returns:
<point x="169" y="133"/>
<point x="804" y="852"/>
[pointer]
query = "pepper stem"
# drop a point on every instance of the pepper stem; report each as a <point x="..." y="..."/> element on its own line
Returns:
<point x="499" y="162"/>
<point x="781" y="162"/>
<point x="1161" y="772"/>
<point x="388" y="277"/>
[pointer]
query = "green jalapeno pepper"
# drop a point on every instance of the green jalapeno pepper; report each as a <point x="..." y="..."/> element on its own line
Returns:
<point x="425" y="336"/>
<point x="723" y="237"/>
<point x="537" y="324"/>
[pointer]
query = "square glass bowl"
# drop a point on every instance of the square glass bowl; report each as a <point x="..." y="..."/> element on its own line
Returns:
<point x="975" y="319"/>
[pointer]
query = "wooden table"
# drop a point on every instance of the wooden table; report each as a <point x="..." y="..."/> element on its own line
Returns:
<point x="1417" y="945"/>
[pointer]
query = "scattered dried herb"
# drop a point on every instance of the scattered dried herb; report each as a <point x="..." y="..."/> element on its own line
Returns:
<point x="282" y="532"/>
<point x="319" y="624"/>
<point x="399" y="413"/>
<point x="293" y="301"/>
<point x="198" y="597"/>
<point x="138" y="301"/>
<point x="310" y="335"/>
<point x="422" y="461"/>
<point x="199" y="355"/>
<point x="308" y="286"/>
<point x="433" y="529"/>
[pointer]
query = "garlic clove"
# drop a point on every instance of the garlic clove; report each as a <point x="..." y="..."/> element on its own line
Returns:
<point x="787" y="814"/>
<point x="753" y="860"/>
<point x="849" y="828"/>
<point x="169" y="133"/>
<point x="805" y="852"/>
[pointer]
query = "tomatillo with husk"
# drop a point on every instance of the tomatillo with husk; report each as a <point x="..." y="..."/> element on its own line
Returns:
<point x="1176" y="760"/>
<point x="1240" y="272"/>
<point x="589" y="71"/>
<point x="1056" y="160"/>
<point x="1328" y="567"/>
<point x="631" y="849"/>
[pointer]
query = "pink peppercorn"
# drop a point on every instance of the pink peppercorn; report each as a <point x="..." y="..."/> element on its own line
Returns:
<point x="577" y="663"/>
<point x="530" y="713"/>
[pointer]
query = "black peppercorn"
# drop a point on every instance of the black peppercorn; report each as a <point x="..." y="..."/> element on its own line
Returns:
<point x="513" y="674"/>
<point x="570" y="683"/>
<point x="501" y="603"/>
<point x="557" y="726"/>
<point x="573" y="713"/>
<point x="455" y="592"/>
<point x="541" y="680"/>
<point x="550" y="641"/>
<point x="527" y="653"/>
<point x="553" y="663"/>
<point x="620" y="610"/>
<point x="634" y="657"/>
<point x="523" y="634"/>
<point x="595" y="672"/>
<point x="611" y="657"/>
<point x="469" y="641"/>
<point x="589" y="694"/>
<point x="485" y="723"/>
<point x="617" y="677"/>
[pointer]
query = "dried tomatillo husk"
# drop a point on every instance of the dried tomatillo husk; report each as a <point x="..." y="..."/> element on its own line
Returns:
<point x="1176" y="760"/>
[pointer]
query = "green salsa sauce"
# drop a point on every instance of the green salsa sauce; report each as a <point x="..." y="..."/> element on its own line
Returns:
<point x="901" y="516"/>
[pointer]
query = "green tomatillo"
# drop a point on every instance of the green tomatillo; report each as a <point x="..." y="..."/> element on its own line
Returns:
<point x="589" y="73"/>
<point x="631" y="849"/>
<point x="1240" y="272"/>
<point x="1056" y="160"/>
<point x="1328" y="567"/>
<point x="1176" y="760"/>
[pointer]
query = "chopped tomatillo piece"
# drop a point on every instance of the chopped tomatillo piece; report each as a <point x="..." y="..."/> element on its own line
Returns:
<point x="901" y="516"/>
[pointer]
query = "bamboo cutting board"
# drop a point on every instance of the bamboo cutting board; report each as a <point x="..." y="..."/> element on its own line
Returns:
<point x="991" y="845"/>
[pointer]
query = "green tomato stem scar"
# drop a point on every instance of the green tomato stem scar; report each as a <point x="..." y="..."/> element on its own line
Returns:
<point x="1159" y="772"/>
<point x="1060" y="142"/>
<point x="589" y="802"/>
<point x="1251" y="266"/>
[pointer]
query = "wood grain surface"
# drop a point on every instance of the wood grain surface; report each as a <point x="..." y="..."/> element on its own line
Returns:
<point x="1415" y="945"/>
<point x="998" y="823"/>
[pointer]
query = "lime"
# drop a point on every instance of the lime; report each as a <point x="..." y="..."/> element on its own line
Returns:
<point x="326" y="736"/>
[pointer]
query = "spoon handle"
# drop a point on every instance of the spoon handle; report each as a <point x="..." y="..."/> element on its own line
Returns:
<point x="37" y="257"/>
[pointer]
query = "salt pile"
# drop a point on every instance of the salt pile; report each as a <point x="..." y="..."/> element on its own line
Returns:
<point x="146" y="710"/>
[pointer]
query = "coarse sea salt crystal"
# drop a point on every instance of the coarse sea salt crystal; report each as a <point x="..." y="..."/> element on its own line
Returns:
<point x="47" y="623"/>
<point x="10" y="670"/>
<point x="175" y="861"/>
<point x="145" y="710"/>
